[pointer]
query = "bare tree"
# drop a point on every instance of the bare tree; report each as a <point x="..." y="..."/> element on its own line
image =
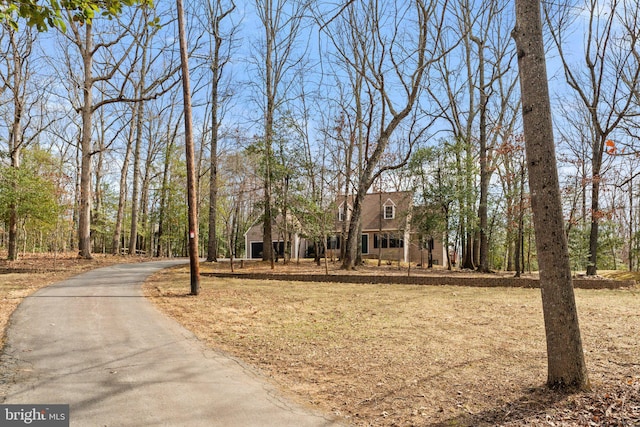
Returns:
<point x="82" y="37"/>
<point x="282" y="22"/>
<point x="495" y="53"/>
<point x="216" y="12"/>
<point x="606" y="83"/>
<point x="16" y="75"/>
<point x="122" y="188"/>
<point x="168" y="139"/>
<point x="152" y="71"/>
<point x="375" y="32"/>
<point x="566" y="365"/>
<point x="111" y="63"/>
<point x="475" y="99"/>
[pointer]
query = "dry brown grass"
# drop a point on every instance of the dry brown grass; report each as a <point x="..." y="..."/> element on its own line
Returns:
<point x="412" y="355"/>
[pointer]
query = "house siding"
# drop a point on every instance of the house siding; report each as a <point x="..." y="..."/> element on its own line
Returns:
<point x="373" y="223"/>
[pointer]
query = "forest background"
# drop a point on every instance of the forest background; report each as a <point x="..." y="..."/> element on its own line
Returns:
<point x="298" y="102"/>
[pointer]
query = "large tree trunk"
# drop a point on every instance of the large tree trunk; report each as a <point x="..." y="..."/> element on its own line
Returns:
<point x="485" y="174"/>
<point x="351" y="244"/>
<point x="566" y="365"/>
<point x="84" y="223"/>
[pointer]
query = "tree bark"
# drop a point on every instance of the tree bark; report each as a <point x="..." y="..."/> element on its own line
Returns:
<point x="566" y="365"/>
<point x="485" y="175"/>
<point x="595" y="221"/>
<point x="133" y="234"/>
<point x="138" y="123"/>
<point x="122" y="196"/>
<point x="84" y="223"/>
<point x="215" y="17"/>
<point x="13" y="208"/>
<point x="15" y="135"/>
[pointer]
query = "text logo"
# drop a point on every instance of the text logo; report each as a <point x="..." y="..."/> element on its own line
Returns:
<point x="34" y="415"/>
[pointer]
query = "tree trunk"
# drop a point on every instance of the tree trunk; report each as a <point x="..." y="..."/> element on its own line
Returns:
<point x="593" y="234"/>
<point x="138" y="120"/>
<point x="631" y="224"/>
<point x="216" y="71"/>
<point x="122" y="197"/>
<point x="270" y="89"/>
<point x="467" y="252"/>
<point x="84" y="223"/>
<point x="13" y="208"/>
<point x="163" y="194"/>
<point x="96" y="218"/>
<point x="212" y="245"/>
<point x="351" y="244"/>
<point x="485" y="175"/>
<point x="15" y="145"/>
<point x="519" y="252"/>
<point x="144" y="243"/>
<point x="566" y="365"/>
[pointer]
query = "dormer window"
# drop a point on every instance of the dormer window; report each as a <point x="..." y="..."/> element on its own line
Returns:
<point x="389" y="210"/>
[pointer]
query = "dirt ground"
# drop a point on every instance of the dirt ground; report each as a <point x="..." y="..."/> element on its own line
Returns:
<point x="377" y="355"/>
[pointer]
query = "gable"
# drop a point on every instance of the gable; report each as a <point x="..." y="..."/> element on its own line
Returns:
<point x="373" y="210"/>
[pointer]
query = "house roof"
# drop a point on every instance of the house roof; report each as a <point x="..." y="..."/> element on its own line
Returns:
<point x="373" y="218"/>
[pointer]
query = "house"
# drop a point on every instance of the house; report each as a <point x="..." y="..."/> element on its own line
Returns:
<point x="386" y="229"/>
<point x="386" y="232"/>
<point x="254" y="245"/>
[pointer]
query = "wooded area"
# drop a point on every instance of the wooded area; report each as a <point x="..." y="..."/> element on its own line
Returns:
<point x="298" y="102"/>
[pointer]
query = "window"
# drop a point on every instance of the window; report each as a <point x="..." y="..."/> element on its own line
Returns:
<point x="341" y="216"/>
<point x="386" y="241"/>
<point x="389" y="210"/>
<point x="396" y="242"/>
<point x="333" y="242"/>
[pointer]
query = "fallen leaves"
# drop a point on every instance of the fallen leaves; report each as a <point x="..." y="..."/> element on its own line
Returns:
<point x="409" y="355"/>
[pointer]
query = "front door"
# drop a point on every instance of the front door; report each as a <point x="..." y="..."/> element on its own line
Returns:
<point x="365" y="244"/>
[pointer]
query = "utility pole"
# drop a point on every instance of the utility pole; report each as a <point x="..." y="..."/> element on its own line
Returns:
<point x="192" y="201"/>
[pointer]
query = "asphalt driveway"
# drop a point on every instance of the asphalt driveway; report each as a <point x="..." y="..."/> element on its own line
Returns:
<point x="94" y="342"/>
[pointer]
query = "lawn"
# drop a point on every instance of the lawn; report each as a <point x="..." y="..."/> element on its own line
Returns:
<point x="415" y="355"/>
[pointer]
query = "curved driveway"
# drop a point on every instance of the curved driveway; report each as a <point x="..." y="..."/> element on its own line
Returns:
<point x="96" y="343"/>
